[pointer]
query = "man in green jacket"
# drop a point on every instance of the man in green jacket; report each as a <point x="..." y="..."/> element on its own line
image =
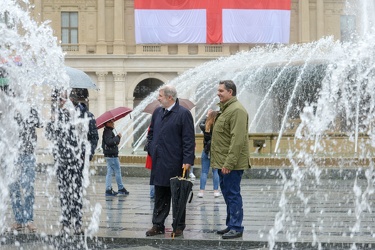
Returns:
<point x="230" y="154"/>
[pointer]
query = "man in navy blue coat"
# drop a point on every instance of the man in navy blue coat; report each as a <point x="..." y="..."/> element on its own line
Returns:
<point x="171" y="145"/>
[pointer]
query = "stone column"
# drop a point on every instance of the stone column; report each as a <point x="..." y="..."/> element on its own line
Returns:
<point x="304" y="21"/>
<point x="119" y="79"/>
<point x="102" y="100"/>
<point x="101" y="46"/>
<point x="129" y="102"/>
<point x="37" y="12"/>
<point x="119" y="24"/>
<point x="320" y="18"/>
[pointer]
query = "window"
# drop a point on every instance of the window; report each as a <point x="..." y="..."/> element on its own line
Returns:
<point x="69" y="27"/>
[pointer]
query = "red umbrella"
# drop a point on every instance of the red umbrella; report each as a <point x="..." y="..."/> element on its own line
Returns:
<point x="114" y="114"/>
<point x="150" y="108"/>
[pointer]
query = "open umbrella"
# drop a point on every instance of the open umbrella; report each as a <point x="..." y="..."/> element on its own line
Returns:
<point x="150" y="108"/>
<point x="79" y="79"/>
<point x="114" y="114"/>
<point x="180" y="190"/>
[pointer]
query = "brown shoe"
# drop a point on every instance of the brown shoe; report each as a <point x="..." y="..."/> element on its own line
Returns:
<point x="31" y="227"/>
<point x="16" y="227"/>
<point x="154" y="231"/>
<point x="178" y="233"/>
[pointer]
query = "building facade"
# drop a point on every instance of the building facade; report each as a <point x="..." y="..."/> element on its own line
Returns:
<point x="98" y="38"/>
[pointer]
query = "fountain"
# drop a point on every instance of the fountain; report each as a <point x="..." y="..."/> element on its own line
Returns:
<point x="31" y="64"/>
<point x="327" y="85"/>
<point x="41" y="59"/>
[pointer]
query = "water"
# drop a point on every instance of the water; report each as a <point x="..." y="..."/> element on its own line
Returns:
<point x="33" y="63"/>
<point x="326" y="84"/>
<point x="264" y="76"/>
<point x="41" y="59"/>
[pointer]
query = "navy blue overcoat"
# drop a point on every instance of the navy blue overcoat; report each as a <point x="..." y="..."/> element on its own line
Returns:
<point x="171" y="143"/>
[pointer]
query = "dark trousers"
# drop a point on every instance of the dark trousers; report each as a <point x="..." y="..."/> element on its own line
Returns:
<point x="162" y="207"/>
<point x="70" y="178"/>
<point x="230" y="185"/>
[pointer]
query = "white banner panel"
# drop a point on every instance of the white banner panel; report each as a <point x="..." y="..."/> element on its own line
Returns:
<point x="170" y="26"/>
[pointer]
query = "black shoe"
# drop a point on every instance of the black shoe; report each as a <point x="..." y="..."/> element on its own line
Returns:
<point x="154" y="231"/>
<point x="110" y="192"/>
<point x="123" y="191"/>
<point x="224" y="231"/>
<point x="232" y="234"/>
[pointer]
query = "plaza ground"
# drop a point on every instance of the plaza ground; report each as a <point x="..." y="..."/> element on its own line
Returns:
<point x="328" y="218"/>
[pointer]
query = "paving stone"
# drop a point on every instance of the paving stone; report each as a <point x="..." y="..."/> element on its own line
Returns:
<point x="319" y="216"/>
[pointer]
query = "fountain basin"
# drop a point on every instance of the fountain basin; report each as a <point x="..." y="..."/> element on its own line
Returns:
<point x="342" y="145"/>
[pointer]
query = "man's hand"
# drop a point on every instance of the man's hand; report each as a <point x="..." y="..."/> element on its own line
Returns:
<point x="225" y="170"/>
<point x="186" y="167"/>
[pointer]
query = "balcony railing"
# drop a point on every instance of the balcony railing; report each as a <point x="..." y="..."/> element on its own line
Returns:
<point x="70" y="47"/>
<point x="151" y="48"/>
<point x="213" y="48"/>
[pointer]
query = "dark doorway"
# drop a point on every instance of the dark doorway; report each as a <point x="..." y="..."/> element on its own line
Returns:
<point x="141" y="91"/>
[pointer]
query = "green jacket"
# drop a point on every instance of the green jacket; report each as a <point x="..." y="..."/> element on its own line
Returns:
<point x="229" y="143"/>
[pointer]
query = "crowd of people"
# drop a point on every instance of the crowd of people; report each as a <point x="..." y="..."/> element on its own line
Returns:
<point x="171" y="146"/>
<point x="170" y="151"/>
<point x="74" y="136"/>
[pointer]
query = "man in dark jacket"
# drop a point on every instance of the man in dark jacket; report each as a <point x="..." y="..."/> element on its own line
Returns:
<point x="67" y="152"/>
<point x="78" y="98"/>
<point x="110" y="149"/>
<point x="171" y="142"/>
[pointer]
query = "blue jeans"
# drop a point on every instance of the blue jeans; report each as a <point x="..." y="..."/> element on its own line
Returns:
<point x="113" y="167"/>
<point x="230" y="185"/>
<point x="152" y="191"/>
<point x="24" y="184"/>
<point x="205" y="168"/>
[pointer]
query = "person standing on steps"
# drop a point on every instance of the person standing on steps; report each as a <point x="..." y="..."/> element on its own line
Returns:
<point x="230" y="155"/>
<point x="110" y="149"/>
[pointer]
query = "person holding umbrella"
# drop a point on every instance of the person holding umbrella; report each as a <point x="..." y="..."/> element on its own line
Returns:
<point x="171" y="142"/>
<point x="110" y="149"/>
<point x="230" y="154"/>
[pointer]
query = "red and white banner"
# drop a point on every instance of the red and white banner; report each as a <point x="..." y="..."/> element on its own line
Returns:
<point x="212" y="21"/>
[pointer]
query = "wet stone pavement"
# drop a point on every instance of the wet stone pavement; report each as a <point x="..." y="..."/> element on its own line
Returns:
<point x="323" y="218"/>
